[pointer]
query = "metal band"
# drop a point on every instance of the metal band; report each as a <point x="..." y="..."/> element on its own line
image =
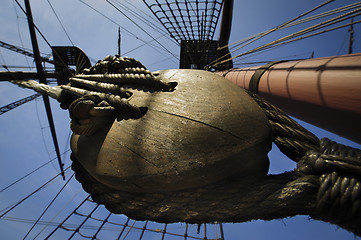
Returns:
<point x="254" y="82"/>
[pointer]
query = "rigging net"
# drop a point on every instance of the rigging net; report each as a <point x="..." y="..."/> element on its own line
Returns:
<point x="187" y="20"/>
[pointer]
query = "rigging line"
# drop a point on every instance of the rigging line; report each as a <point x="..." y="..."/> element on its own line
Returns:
<point x="189" y="18"/>
<point x="3" y="60"/>
<point x="175" y="19"/>
<point x="143" y="44"/>
<point x="284" y="58"/>
<point x="41" y="130"/>
<point x="303" y="37"/>
<point x="41" y="34"/>
<point x="311" y="18"/>
<point x="14" y="66"/>
<point x="325" y="14"/>
<point x="159" y="19"/>
<point x="284" y="24"/>
<point x="86" y="219"/>
<point x="140" y="10"/>
<point x="46" y="209"/>
<point x="59" y="225"/>
<point x="178" y="36"/>
<point x="28" y="174"/>
<point x="306" y="30"/>
<point x="317" y="33"/>
<point x="46" y="224"/>
<point x="8" y="209"/>
<point x="143" y="229"/>
<point x="153" y="25"/>
<point x="101" y="226"/>
<point x="61" y="24"/>
<point x="205" y="20"/>
<point x="67" y="143"/>
<point x="324" y="24"/>
<point x="23" y="51"/>
<point x="54" y="224"/>
<point x="272" y="30"/>
<point x="219" y="13"/>
<point x="182" y="17"/>
<point x="18" y="30"/>
<point x="187" y="1"/>
<point x="160" y="61"/>
<point x="213" y="6"/>
<point x="12" y="206"/>
<point x="108" y="1"/>
<point x="164" y="231"/>
<point x="126" y="31"/>
<point x="129" y="229"/>
<point x="198" y="22"/>
<point x="18" y="103"/>
<point x="124" y="226"/>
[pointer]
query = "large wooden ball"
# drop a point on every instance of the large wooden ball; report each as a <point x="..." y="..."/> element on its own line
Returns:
<point x="204" y="131"/>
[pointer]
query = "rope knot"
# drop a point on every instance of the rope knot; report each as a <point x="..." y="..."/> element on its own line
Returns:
<point x="339" y="194"/>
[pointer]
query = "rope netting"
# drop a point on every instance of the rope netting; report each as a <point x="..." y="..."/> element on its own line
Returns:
<point x="187" y="20"/>
<point x="93" y="222"/>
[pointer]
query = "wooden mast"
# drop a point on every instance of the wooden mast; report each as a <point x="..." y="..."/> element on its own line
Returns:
<point x="321" y="91"/>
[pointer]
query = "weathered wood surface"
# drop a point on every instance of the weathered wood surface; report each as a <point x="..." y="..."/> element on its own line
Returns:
<point x="206" y="130"/>
<point x="232" y="200"/>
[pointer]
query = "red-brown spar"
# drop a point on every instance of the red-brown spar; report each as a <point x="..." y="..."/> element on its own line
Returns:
<point x="322" y="91"/>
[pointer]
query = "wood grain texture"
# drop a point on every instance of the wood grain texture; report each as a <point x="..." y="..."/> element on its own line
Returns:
<point x="205" y="131"/>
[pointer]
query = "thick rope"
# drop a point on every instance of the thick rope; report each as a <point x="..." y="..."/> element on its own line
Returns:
<point x="107" y="82"/>
<point x="290" y="137"/>
<point x="339" y="195"/>
<point x="338" y="167"/>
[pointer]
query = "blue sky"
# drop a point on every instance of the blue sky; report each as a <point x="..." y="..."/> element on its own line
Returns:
<point x="25" y="141"/>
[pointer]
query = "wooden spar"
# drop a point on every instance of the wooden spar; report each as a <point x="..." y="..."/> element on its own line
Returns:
<point x="322" y="91"/>
<point x="42" y="79"/>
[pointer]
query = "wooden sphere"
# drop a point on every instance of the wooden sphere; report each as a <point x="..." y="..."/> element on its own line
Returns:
<point x="206" y="130"/>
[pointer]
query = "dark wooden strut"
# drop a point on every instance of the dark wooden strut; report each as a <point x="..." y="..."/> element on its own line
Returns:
<point x="42" y="79"/>
<point x="22" y="75"/>
<point x="350" y="43"/>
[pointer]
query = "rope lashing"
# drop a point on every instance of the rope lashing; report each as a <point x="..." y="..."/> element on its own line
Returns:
<point x="102" y="87"/>
<point x="290" y="137"/>
<point x="107" y="81"/>
<point x="339" y="194"/>
<point x="116" y="101"/>
<point x="338" y="167"/>
<point x="130" y="78"/>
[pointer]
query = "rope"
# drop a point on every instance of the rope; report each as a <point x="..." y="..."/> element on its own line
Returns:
<point x="290" y="137"/>
<point x="339" y="167"/>
<point x="276" y="28"/>
<point x="102" y="94"/>
<point x="339" y="194"/>
<point x="283" y="39"/>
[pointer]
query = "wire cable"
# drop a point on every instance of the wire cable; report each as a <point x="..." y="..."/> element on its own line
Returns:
<point x="108" y="1"/>
<point x="8" y="209"/>
<point x="18" y="30"/>
<point x="301" y="21"/>
<point x="334" y="20"/>
<point x="270" y="31"/>
<point x="28" y="174"/>
<point x="46" y="209"/>
<point x="61" y="24"/>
